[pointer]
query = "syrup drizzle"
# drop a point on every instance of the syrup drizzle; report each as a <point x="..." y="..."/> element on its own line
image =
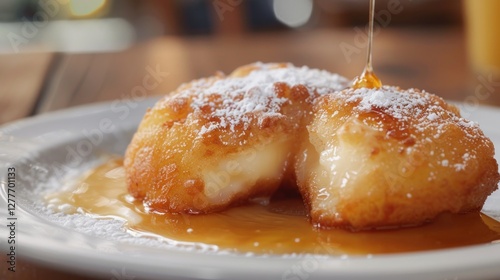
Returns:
<point x="368" y="79"/>
<point x="279" y="227"/>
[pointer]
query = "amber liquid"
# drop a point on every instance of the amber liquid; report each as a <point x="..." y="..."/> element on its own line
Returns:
<point x="368" y="79"/>
<point x="279" y="227"/>
<point x="483" y="32"/>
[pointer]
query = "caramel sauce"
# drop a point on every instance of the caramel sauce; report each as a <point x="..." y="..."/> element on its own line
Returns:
<point x="278" y="227"/>
<point x="368" y="79"/>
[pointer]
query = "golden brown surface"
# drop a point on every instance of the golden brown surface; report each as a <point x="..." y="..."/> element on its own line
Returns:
<point x="367" y="158"/>
<point x="202" y="148"/>
<point x="388" y="157"/>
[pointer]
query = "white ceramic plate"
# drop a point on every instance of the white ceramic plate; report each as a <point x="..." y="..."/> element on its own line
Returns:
<point x="48" y="149"/>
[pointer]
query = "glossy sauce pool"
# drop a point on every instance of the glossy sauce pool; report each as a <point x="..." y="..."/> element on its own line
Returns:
<point x="278" y="227"/>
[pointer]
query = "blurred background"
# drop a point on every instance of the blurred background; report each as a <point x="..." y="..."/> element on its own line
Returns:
<point x="61" y="53"/>
<point x="110" y="25"/>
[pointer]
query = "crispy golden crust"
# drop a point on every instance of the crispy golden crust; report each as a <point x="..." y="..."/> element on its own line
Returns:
<point x="198" y="150"/>
<point x="389" y="158"/>
<point x="361" y="158"/>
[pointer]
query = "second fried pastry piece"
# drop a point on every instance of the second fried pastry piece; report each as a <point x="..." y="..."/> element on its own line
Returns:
<point x="389" y="157"/>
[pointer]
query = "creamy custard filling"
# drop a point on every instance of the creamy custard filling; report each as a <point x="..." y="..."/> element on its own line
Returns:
<point x="240" y="172"/>
<point x="342" y="164"/>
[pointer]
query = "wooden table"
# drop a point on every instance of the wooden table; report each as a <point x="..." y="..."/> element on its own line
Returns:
<point x="434" y="60"/>
<point x="37" y="83"/>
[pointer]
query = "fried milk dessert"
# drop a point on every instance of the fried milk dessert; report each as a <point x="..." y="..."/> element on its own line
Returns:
<point x="219" y="141"/>
<point x="361" y="158"/>
<point x="387" y="157"/>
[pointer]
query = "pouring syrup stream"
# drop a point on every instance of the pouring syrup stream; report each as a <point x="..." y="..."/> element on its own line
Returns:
<point x="368" y="79"/>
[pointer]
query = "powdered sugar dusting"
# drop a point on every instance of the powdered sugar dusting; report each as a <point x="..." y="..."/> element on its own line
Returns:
<point x="425" y="112"/>
<point x="391" y="98"/>
<point x="238" y="100"/>
<point x="406" y="105"/>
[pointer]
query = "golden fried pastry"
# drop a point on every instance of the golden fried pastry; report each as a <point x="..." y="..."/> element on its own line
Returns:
<point x="389" y="157"/>
<point x="221" y="140"/>
<point x="362" y="158"/>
